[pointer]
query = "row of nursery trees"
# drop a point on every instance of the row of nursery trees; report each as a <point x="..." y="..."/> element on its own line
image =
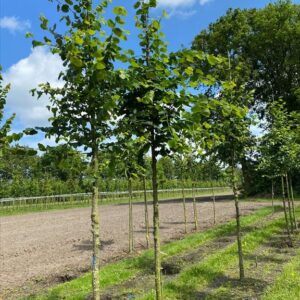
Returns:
<point x="144" y="106"/>
<point x="191" y="104"/>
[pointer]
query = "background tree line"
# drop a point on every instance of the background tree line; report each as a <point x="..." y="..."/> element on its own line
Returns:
<point x="63" y="170"/>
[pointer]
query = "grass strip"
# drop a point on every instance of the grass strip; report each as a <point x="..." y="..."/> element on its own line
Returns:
<point x="117" y="273"/>
<point x="198" y="276"/>
<point x="287" y="285"/>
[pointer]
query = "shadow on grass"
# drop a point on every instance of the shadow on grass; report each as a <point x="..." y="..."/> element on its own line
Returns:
<point x="226" y="288"/>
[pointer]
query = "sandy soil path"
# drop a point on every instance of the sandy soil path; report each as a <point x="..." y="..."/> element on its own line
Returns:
<point x="41" y="249"/>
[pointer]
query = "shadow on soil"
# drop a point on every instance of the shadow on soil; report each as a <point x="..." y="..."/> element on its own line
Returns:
<point x="87" y="245"/>
<point x="187" y="199"/>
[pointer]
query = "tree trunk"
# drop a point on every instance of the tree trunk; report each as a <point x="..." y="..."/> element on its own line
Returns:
<point x="95" y="229"/>
<point x="146" y="213"/>
<point x="285" y="212"/>
<point x="195" y="208"/>
<point x="130" y="223"/>
<point x="289" y="204"/>
<point x="184" y="207"/>
<point x="293" y="204"/>
<point x="214" y="201"/>
<point x="156" y="235"/>
<point x="273" y="195"/>
<point x="238" y="224"/>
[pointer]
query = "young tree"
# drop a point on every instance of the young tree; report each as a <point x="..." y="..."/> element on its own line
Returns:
<point x="127" y="151"/>
<point x="225" y="131"/>
<point x="153" y="105"/>
<point x="6" y="137"/>
<point x="279" y="153"/>
<point x="83" y="107"/>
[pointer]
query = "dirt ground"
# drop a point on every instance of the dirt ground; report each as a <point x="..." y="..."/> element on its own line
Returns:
<point x="41" y="249"/>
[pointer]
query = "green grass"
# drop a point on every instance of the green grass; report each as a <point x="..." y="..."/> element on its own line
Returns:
<point x="287" y="285"/>
<point x="129" y="268"/>
<point x="198" y="276"/>
<point x="32" y="208"/>
<point x="266" y="199"/>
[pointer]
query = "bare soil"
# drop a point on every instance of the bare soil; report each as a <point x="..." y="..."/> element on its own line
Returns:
<point x="41" y="249"/>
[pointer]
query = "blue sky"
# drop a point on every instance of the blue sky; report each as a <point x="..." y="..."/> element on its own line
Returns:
<point x="25" y="68"/>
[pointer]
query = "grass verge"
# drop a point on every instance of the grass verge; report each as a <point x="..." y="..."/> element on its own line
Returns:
<point x="287" y="285"/>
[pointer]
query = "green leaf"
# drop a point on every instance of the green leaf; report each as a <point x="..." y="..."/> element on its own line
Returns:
<point x="212" y="60"/>
<point x="91" y="32"/>
<point x="120" y="20"/>
<point x="42" y="147"/>
<point x="156" y="24"/>
<point x="29" y="35"/>
<point x="120" y="10"/>
<point x="118" y="32"/>
<point x="111" y="23"/>
<point x="100" y="65"/>
<point x="78" y="40"/>
<point x="77" y="62"/>
<point x="30" y="131"/>
<point x="65" y="8"/>
<point x="37" y="44"/>
<point x="189" y="70"/>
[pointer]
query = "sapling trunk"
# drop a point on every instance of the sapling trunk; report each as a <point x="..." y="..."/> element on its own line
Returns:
<point x="238" y="225"/>
<point x="184" y="206"/>
<point x="146" y="213"/>
<point x="285" y="212"/>
<point x="130" y="223"/>
<point x="156" y="234"/>
<point x="95" y="230"/>
<point x="272" y="192"/>
<point x="214" y="200"/>
<point x="195" y="208"/>
<point x="293" y="204"/>
<point x="289" y="204"/>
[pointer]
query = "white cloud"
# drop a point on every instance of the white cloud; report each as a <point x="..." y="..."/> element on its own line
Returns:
<point x="39" y="67"/>
<point x="181" y="3"/>
<point x="203" y="2"/>
<point x="13" y="24"/>
<point x="176" y="3"/>
<point x="183" y="14"/>
<point x="178" y="8"/>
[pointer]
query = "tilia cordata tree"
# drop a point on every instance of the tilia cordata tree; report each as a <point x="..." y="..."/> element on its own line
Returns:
<point x="279" y="154"/>
<point x="235" y="129"/>
<point x="223" y="128"/>
<point x="83" y="107"/>
<point x="153" y="105"/>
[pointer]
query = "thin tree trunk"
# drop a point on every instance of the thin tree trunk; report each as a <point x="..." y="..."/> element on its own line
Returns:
<point x="238" y="224"/>
<point x="195" y="208"/>
<point x="289" y="204"/>
<point x="293" y="204"/>
<point x="95" y="230"/>
<point x="184" y="207"/>
<point x="146" y="213"/>
<point x="156" y="234"/>
<point x="273" y="195"/>
<point x="130" y="223"/>
<point x="214" y="201"/>
<point x="285" y="212"/>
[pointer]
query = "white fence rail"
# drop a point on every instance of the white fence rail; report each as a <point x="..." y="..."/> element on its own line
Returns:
<point x="84" y="198"/>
